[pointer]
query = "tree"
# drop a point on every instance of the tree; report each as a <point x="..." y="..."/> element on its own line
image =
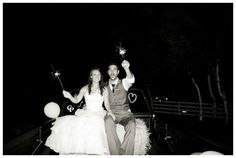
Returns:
<point x="211" y="94"/>
<point x="222" y="93"/>
<point x="199" y="97"/>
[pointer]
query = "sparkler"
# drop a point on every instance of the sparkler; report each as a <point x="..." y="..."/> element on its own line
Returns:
<point x="122" y="51"/>
<point x="56" y="74"/>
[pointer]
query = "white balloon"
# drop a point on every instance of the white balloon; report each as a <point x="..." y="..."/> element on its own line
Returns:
<point x="211" y="153"/>
<point x="52" y="110"/>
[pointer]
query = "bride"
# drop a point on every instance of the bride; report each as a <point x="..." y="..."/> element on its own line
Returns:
<point x="84" y="132"/>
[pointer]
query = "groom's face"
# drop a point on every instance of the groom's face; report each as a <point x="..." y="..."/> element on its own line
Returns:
<point x="113" y="72"/>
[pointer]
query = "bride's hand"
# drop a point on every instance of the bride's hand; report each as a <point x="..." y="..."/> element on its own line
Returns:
<point x="66" y="94"/>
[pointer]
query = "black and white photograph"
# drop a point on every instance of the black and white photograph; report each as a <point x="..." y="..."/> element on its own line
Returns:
<point x="110" y="78"/>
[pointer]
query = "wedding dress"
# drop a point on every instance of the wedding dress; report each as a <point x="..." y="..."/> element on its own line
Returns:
<point x="82" y="133"/>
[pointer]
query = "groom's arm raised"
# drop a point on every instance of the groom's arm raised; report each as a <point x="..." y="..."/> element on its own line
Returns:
<point x="129" y="80"/>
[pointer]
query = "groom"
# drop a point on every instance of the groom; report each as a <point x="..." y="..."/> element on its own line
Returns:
<point x="118" y="99"/>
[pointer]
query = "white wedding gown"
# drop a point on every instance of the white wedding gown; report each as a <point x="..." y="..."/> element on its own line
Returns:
<point x="82" y="133"/>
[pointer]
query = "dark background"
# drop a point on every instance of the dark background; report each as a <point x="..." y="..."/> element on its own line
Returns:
<point x="164" y="42"/>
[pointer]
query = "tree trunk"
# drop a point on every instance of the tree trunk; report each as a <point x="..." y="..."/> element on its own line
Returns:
<point x="212" y="95"/>
<point x="199" y="97"/>
<point x="222" y="94"/>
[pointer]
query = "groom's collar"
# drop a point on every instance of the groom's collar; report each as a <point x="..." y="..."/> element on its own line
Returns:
<point x="114" y="82"/>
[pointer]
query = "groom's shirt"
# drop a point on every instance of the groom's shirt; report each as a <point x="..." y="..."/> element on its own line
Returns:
<point x="127" y="83"/>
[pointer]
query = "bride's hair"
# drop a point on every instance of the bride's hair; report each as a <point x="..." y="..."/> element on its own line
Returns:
<point x="101" y="83"/>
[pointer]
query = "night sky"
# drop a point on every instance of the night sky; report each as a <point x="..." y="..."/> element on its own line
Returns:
<point x="164" y="42"/>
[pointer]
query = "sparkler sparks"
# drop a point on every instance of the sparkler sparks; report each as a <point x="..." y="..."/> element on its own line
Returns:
<point x="122" y="51"/>
<point x="56" y="74"/>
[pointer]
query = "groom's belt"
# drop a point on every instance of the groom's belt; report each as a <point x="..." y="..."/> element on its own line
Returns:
<point x="120" y="107"/>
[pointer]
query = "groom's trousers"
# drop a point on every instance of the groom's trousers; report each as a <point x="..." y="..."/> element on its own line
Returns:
<point x="126" y="119"/>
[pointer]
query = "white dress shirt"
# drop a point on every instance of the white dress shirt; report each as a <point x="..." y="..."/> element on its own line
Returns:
<point x="127" y="83"/>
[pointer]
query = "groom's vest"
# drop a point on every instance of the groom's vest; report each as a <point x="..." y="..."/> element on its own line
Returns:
<point x="118" y="99"/>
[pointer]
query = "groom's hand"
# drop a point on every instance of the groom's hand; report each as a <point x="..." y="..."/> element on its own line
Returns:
<point x="125" y="64"/>
<point x="112" y="115"/>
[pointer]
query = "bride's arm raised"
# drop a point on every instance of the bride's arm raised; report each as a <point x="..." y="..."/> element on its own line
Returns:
<point x="78" y="98"/>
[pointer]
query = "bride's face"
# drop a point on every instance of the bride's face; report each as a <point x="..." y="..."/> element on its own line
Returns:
<point x="96" y="76"/>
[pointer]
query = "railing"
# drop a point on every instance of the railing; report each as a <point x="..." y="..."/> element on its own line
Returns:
<point x="29" y="142"/>
<point x="190" y="109"/>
